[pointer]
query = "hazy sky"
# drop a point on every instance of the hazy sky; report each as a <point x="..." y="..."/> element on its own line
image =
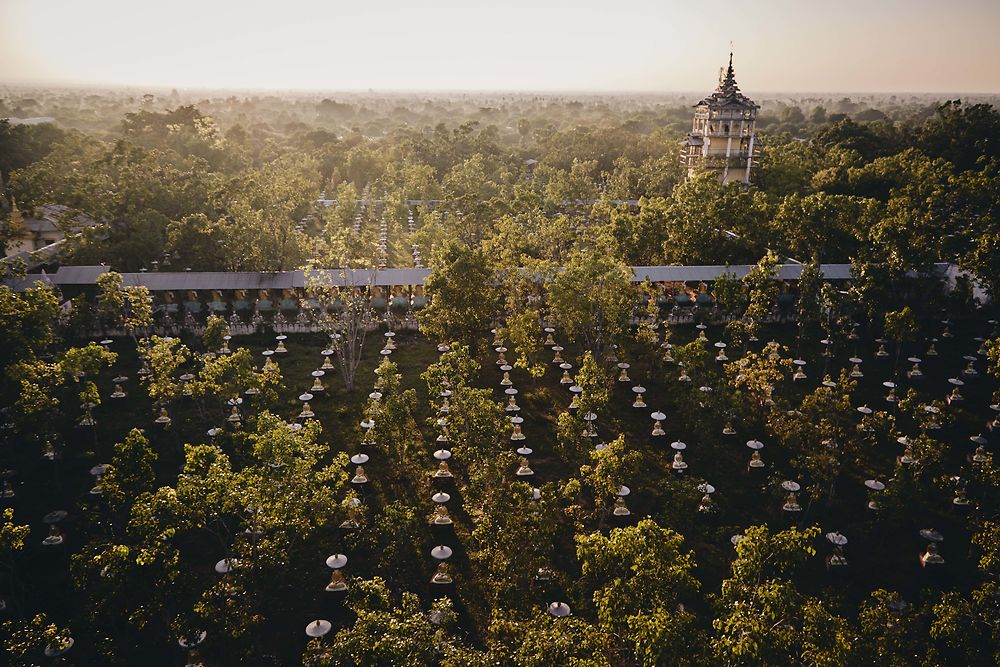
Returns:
<point x="632" y="45"/>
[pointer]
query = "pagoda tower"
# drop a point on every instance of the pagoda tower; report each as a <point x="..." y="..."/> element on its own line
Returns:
<point x="722" y="135"/>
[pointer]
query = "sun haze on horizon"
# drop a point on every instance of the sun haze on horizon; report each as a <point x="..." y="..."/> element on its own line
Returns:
<point x="556" y="45"/>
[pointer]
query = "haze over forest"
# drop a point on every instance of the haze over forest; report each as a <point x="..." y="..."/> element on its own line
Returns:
<point x="635" y="45"/>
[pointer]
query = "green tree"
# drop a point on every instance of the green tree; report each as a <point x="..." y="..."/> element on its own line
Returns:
<point x="128" y="307"/>
<point x="27" y="322"/>
<point x="12" y="539"/>
<point x="463" y="296"/>
<point x="344" y="308"/>
<point x="384" y="634"/>
<point x="26" y="641"/>
<point x="892" y="631"/>
<point x="962" y="133"/>
<point x="902" y="327"/>
<point x="643" y="585"/>
<point x="821" y="226"/>
<point x="215" y="332"/>
<point x="761" y="291"/>
<point x="131" y="472"/>
<point x="163" y="357"/>
<point x="513" y="536"/>
<point x="221" y="377"/>
<point x="966" y="624"/>
<point x="709" y="223"/>
<point x="198" y="242"/>
<point x="921" y="201"/>
<point x="538" y="640"/>
<point x="592" y="298"/>
<point x="763" y="619"/>
<point x="819" y="434"/>
<point x="788" y="167"/>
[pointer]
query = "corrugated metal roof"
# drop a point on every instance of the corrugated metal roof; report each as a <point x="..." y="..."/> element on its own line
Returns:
<point x="835" y="271"/>
<point x="21" y="284"/>
<point x="184" y="280"/>
<point x="362" y="277"/>
<point x="79" y="275"/>
<point x="40" y="225"/>
<point x="35" y="258"/>
<point x="658" y="274"/>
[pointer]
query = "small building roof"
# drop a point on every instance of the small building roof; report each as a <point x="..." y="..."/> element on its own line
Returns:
<point x="40" y="225"/>
<point x="27" y="282"/>
<point x="79" y="275"/>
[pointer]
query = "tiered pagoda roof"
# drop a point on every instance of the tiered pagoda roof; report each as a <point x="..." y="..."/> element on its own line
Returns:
<point x="728" y="94"/>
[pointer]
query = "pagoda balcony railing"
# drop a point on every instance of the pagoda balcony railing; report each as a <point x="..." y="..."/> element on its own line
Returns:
<point x="719" y="134"/>
<point x="734" y="160"/>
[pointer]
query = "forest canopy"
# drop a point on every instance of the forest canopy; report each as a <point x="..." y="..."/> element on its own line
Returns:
<point x="532" y="456"/>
